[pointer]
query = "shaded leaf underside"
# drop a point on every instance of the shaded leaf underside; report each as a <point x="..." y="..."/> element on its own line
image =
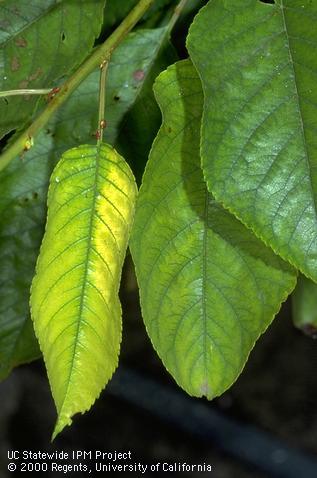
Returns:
<point x="208" y="286"/>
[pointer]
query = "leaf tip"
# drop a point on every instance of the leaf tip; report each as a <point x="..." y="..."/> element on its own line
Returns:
<point x="62" y="422"/>
<point x="206" y="391"/>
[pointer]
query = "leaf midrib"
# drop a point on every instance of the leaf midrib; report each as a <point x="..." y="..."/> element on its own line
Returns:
<point x="85" y="276"/>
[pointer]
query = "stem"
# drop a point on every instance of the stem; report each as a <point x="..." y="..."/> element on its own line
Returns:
<point x="102" y="100"/>
<point x="25" y="92"/>
<point x="177" y="11"/>
<point x="92" y="62"/>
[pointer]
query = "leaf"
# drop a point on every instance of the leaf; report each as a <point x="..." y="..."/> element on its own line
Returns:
<point x="208" y="286"/>
<point x="23" y="183"/>
<point x="129" y="95"/>
<point x="304" y="302"/>
<point x="74" y="297"/>
<point x="144" y="115"/>
<point x="115" y="12"/>
<point x="258" y="67"/>
<point x="22" y="213"/>
<point x="41" y="42"/>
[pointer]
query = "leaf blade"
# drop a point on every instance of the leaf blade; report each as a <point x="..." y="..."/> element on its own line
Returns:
<point x="90" y="209"/>
<point x="29" y="60"/>
<point x="258" y="148"/>
<point x="24" y="182"/>
<point x="22" y="213"/>
<point x="203" y="277"/>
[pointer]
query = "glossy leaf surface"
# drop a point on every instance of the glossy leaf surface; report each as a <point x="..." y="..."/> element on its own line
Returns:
<point x="258" y="66"/>
<point x="40" y="41"/>
<point x="74" y="298"/>
<point x="208" y="286"/>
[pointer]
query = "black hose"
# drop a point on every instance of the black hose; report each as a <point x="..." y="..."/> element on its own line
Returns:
<point x="243" y="442"/>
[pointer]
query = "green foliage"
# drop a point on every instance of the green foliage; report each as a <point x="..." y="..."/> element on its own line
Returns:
<point x="22" y="211"/>
<point x="226" y="214"/>
<point x="258" y="68"/>
<point x="144" y="115"/>
<point x="24" y="183"/>
<point x="208" y="287"/>
<point x="304" y="301"/>
<point x="40" y="42"/>
<point x="74" y="297"/>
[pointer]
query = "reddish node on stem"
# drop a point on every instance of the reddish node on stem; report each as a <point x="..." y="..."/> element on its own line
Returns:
<point x="52" y="93"/>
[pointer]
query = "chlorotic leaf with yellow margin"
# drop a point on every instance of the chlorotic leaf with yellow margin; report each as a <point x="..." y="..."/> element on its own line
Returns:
<point x="74" y="295"/>
<point x="208" y="286"/>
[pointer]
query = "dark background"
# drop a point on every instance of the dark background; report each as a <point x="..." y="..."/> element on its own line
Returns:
<point x="276" y="393"/>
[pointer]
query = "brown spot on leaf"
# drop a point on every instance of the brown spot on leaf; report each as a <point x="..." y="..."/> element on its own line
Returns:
<point x="35" y="75"/>
<point x="21" y="42"/>
<point x="23" y="84"/>
<point x="138" y="75"/>
<point x="15" y="63"/>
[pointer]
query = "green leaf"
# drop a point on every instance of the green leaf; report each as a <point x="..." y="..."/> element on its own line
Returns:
<point x="115" y="12"/>
<point x="208" y="286"/>
<point x="258" y="66"/>
<point x="24" y="182"/>
<point x="74" y="297"/>
<point x="22" y="213"/>
<point x="144" y="114"/>
<point x="304" y="302"/>
<point x="40" y="41"/>
<point x="132" y="69"/>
